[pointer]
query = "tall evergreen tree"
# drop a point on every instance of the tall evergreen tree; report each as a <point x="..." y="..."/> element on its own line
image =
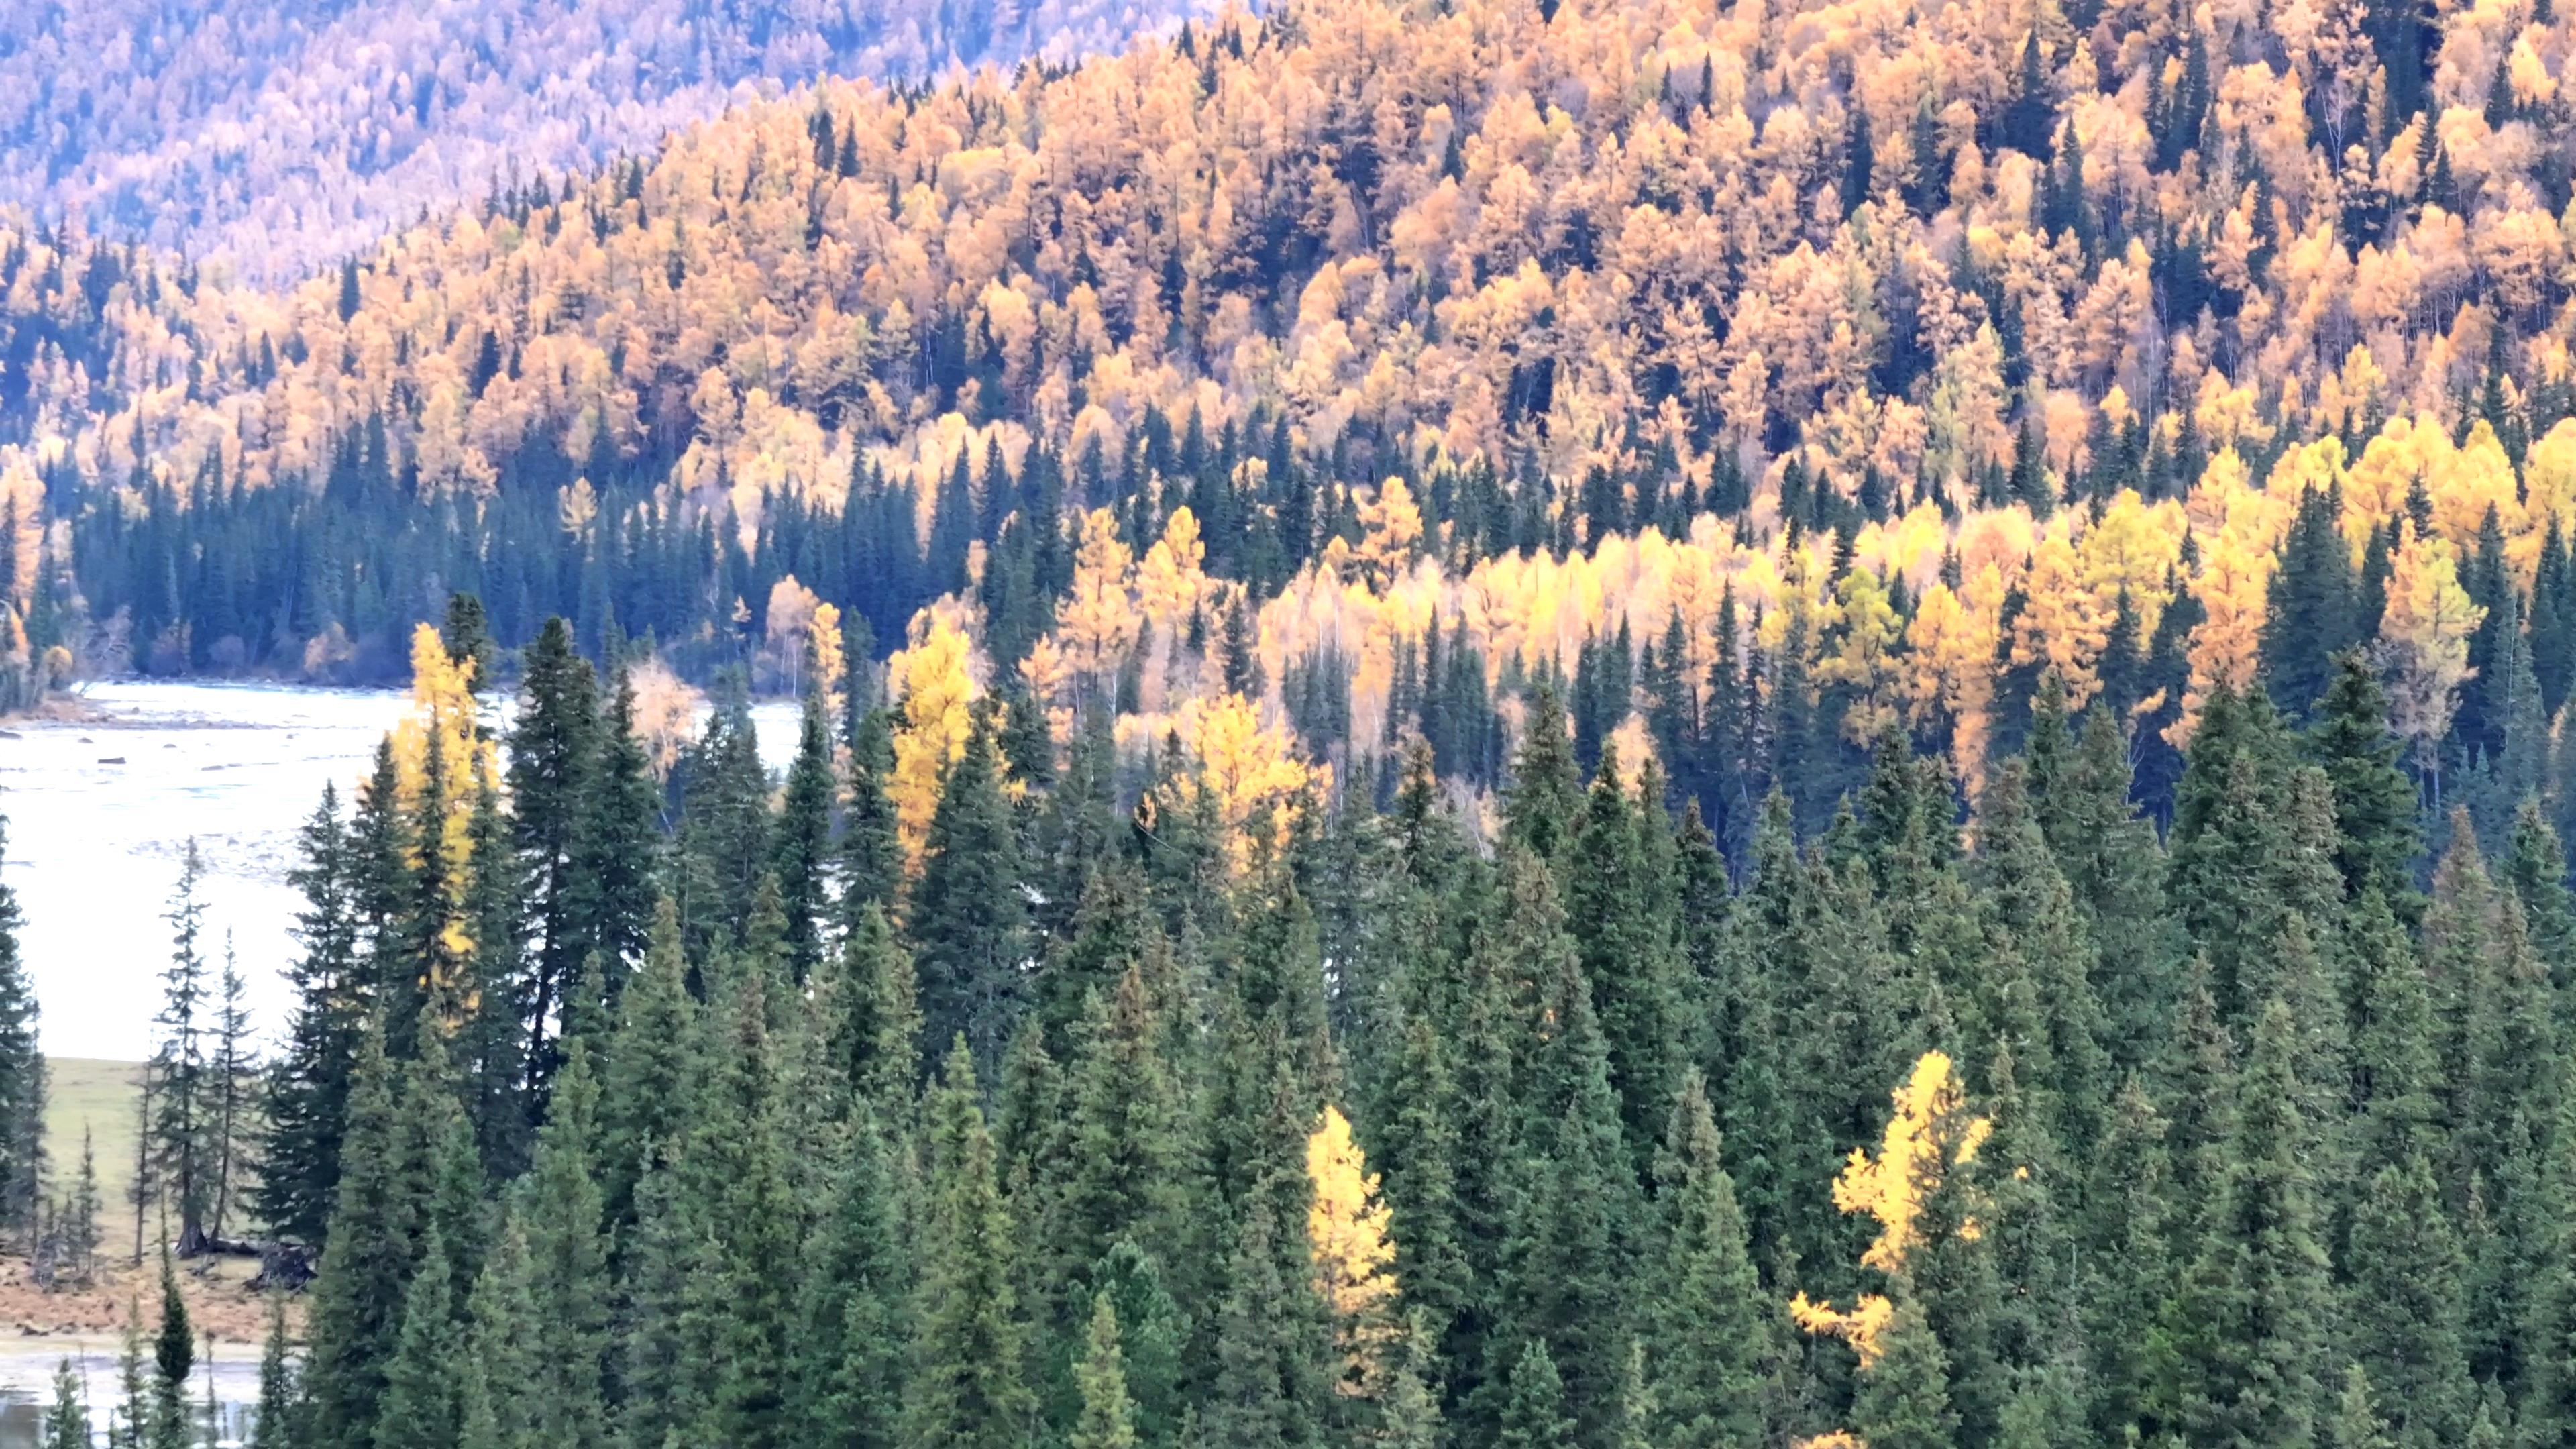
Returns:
<point x="180" y="1139"/>
<point x="1108" y="1417"/>
<point x="554" y="748"/>
<point x="561" y="1212"/>
<point x="617" y="844"/>
<point x="967" y="1386"/>
<point x="418" y="1408"/>
<point x="2247" y="1327"/>
<point x="801" y="847"/>
<point x="2309" y="618"/>
<point x="968" y="915"/>
<point x="2374" y="801"/>
<point x="22" y="1081"/>
<point x="1712" y="1333"/>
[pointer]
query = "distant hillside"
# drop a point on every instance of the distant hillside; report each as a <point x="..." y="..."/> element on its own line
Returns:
<point x="279" y="133"/>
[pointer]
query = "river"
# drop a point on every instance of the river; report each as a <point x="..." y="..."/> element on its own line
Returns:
<point x="27" y="1389"/>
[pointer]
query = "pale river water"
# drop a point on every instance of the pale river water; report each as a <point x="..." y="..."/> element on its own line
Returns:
<point x="27" y="1389"/>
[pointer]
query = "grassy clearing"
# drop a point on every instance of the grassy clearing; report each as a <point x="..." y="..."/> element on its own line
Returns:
<point x="100" y="1096"/>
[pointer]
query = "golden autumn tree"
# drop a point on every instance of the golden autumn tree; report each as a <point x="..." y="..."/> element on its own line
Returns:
<point x="1352" y="1249"/>
<point x="1096" y="624"/>
<point x="1390" y="532"/>
<point x="443" y="766"/>
<point x="1862" y="656"/>
<point x="1248" y="773"/>
<point x="1929" y="1137"/>
<point x="933" y="685"/>
<point x="2424" y="636"/>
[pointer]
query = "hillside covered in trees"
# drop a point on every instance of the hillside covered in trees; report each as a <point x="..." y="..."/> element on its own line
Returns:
<point x="1646" y="724"/>
<point x="1093" y="1112"/>
<point x="1774" y="379"/>
<point x="267" y="139"/>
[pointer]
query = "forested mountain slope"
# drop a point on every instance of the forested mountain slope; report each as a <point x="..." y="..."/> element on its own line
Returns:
<point x="1583" y="724"/>
<point x="1777" y="377"/>
<point x="273" y="137"/>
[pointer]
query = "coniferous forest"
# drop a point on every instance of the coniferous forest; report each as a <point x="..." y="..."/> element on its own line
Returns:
<point x="1635" y="724"/>
<point x="1086" y="1110"/>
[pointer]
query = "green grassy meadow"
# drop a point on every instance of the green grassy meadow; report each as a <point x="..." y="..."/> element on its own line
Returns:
<point x="99" y="1096"/>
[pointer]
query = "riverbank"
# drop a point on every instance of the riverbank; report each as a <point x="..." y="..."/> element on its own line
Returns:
<point x="60" y="707"/>
<point x="75" y="1321"/>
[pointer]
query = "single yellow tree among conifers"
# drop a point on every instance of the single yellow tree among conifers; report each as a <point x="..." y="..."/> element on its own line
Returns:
<point x="1929" y="1136"/>
<point x="1352" y="1250"/>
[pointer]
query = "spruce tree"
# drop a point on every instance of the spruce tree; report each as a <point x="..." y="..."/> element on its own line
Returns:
<point x="2308" y="623"/>
<point x="1711" y="1331"/>
<point x="850" y="1351"/>
<point x="2406" y="1306"/>
<point x="1566" y="1274"/>
<point x="67" y="1419"/>
<point x="1546" y="790"/>
<point x="617" y="843"/>
<point x="561" y="1213"/>
<point x="280" y="1400"/>
<point x="1108" y="1418"/>
<point x="418" y="1409"/>
<point x="2357" y="1423"/>
<point x="553" y="748"/>
<point x="725" y="829"/>
<point x="495" y="1046"/>
<point x="801" y="845"/>
<point x="180" y="1142"/>
<point x="1904" y="1398"/>
<point x="871" y="856"/>
<point x="174" y="1354"/>
<point x="22" y="1081"/>
<point x="968" y="916"/>
<point x="872" y="1018"/>
<point x="967" y="1385"/>
<point x="1152" y="1338"/>
<point x="1619" y="908"/>
<point x="1128" y="1157"/>
<point x="2127" y="1244"/>
<point x="2374" y="801"/>
<point x="499" y="1397"/>
<point x="1534" y="1415"/>
<point x="359" y="1290"/>
<point x="735" y="1169"/>
<point x="2247" y="1327"/>
<point x="651" y="1070"/>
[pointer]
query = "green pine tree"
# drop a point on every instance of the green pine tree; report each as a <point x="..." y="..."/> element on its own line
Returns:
<point x="618" y="844"/>
<point x="1713" y="1333"/>
<point x="67" y="1420"/>
<point x="2374" y="800"/>
<point x="802" y="843"/>
<point x="356" y="1312"/>
<point x="498" y="1394"/>
<point x="967" y="1386"/>
<point x="850" y="1346"/>
<point x="1534" y="1415"/>
<point x="1904" y="1399"/>
<point x="968" y="915"/>
<point x="419" y="1407"/>
<point x="307" y="1099"/>
<point x="273" y="1425"/>
<point x="560" y="1211"/>
<point x="2246" y="1329"/>
<point x="1546" y="793"/>
<point x="1108" y="1417"/>
<point x="554" y="746"/>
